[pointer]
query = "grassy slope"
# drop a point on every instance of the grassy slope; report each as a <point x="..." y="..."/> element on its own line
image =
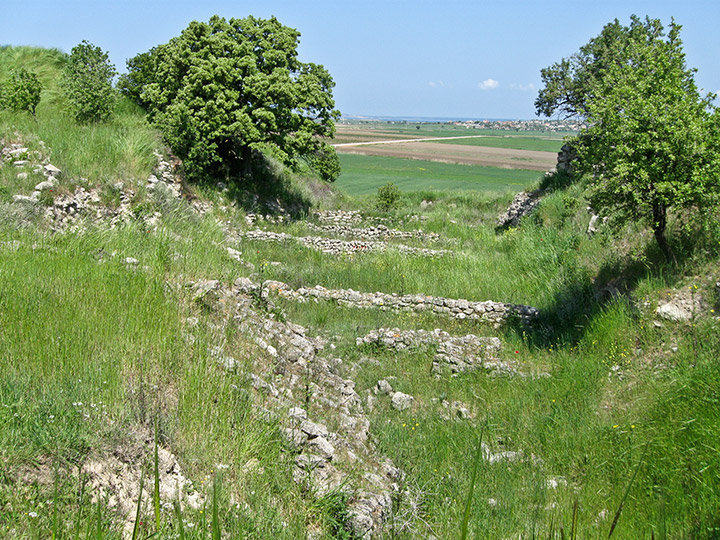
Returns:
<point x="79" y="326"/>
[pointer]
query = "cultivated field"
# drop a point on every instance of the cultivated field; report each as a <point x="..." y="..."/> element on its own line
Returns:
<point x="441" y="156"/>
<point x="505" y="158"/>
<point x="362" y="175"/>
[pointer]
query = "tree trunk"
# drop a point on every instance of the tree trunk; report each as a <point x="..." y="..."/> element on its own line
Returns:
<point x="659" y="223"/>
<point x="246" y="158"/>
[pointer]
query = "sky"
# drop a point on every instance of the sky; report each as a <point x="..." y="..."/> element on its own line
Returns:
<point x="400" y="58"/>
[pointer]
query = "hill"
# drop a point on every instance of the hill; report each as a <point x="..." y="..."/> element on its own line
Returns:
<point x="300" y="364"/>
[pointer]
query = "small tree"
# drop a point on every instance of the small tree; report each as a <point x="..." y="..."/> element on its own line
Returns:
<point x="87" y="79"/>
<point x="388" y="197"/>
<point x="22" y="91"/>
<point x="652" y="141"/>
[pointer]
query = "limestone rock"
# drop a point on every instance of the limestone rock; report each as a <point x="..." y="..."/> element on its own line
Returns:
<point x="401" y="401"/>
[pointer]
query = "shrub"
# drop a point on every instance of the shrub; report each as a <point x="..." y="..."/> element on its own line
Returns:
<point x="388" y="197"/>
<point x="21" y="92"/>
<point x="325" y="162"/>
<point x="87" y="80"/>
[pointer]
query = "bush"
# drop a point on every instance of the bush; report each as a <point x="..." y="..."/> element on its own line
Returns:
<point x="325" y="162"/>
<point x="87" y="80"/>
<point x="388" y="197"/>
<point x="21" y="92"/>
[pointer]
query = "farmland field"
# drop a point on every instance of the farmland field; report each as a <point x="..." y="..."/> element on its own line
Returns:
<point x="364" y="174"/>
<point x="506" y="158"/>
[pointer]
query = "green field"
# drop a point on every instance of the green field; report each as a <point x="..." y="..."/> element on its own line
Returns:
<point x="362" y="175"/>
<point x="543" y="144"/>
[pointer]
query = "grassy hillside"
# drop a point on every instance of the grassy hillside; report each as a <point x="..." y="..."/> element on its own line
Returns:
<point x="111" y="348"/>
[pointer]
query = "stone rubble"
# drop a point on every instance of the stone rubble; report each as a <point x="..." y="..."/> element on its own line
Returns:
<point x="682" y="305"/>
<point x="115" y="476"/>
<point x="334" y="246"/>
<point x="322" y="415"/>
<point x="68" y="210"/>
<point x="495" y="313"/>
<point x="455" y="354"/>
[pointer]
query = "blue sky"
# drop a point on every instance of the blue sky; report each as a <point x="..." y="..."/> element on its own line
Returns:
<point x="451" y="58"/>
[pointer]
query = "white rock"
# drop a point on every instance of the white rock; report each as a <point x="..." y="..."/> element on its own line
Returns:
<point x="384" y="387"/>
<point x="47" y="184"/>
<point x="51" y="170"/>
<point x="401" y="401"/>
<point x="673" y="312"/>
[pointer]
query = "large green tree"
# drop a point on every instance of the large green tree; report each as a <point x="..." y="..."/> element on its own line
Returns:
<point x="651" y="144"/>
<point x="226" y="87"/>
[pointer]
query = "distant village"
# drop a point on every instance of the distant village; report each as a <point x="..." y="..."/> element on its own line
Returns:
<point x="505" y="125"/>
<point x="524" y="125"/>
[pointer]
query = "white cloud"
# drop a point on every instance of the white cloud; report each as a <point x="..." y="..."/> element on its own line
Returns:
<point x="522" y="87"/>
<point x="488" y="84"/>
<point x="436" y="84"/>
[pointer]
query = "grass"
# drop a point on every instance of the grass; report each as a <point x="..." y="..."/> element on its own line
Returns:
<point x="362" y="175"/>
<point x="104" y="153"/>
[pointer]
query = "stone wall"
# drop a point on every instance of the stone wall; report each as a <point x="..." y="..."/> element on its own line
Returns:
<point x="378" y="232"/>
<point x="320" y="413"/>
<point x="335" y="246"/>
<point x="493" y="312"/>
<point x="454" y="354"/>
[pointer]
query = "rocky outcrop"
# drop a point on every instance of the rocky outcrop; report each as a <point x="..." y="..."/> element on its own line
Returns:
<point x="565" y="158"/>
<point x="454" y="354"/>
<point x="523" y="204"/>
<point x="492" y="312"/>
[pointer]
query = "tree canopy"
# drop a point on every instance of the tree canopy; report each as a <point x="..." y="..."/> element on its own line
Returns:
<point x="226" y="87"/>
<point x="652" y="141"/>
<point x="570" y="83"/>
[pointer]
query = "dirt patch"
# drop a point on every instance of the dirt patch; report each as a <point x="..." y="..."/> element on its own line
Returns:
<point x="115" y="475"/>
<point x="505" y="158"/>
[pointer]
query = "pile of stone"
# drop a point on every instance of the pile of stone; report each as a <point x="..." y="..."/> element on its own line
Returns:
<point x="523" y="204"/>
<point x="320" y="413"/>
<point x="496" y="313"/>
<point x="455" y="354"/>
<point x="378" y="232"/>
<point x="565" y="158"/>
<point x="334" y="246"/>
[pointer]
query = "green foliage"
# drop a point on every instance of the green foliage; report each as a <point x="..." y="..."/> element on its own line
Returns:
<point x="226" y="87"/>
<point x="21" y="92"/>
<point x="568" y="85"/>
<point x="388" y="197"/>
<point x="326" y="163"/>
<point x="652" y="141"/>
<point x="87" y="79"/>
